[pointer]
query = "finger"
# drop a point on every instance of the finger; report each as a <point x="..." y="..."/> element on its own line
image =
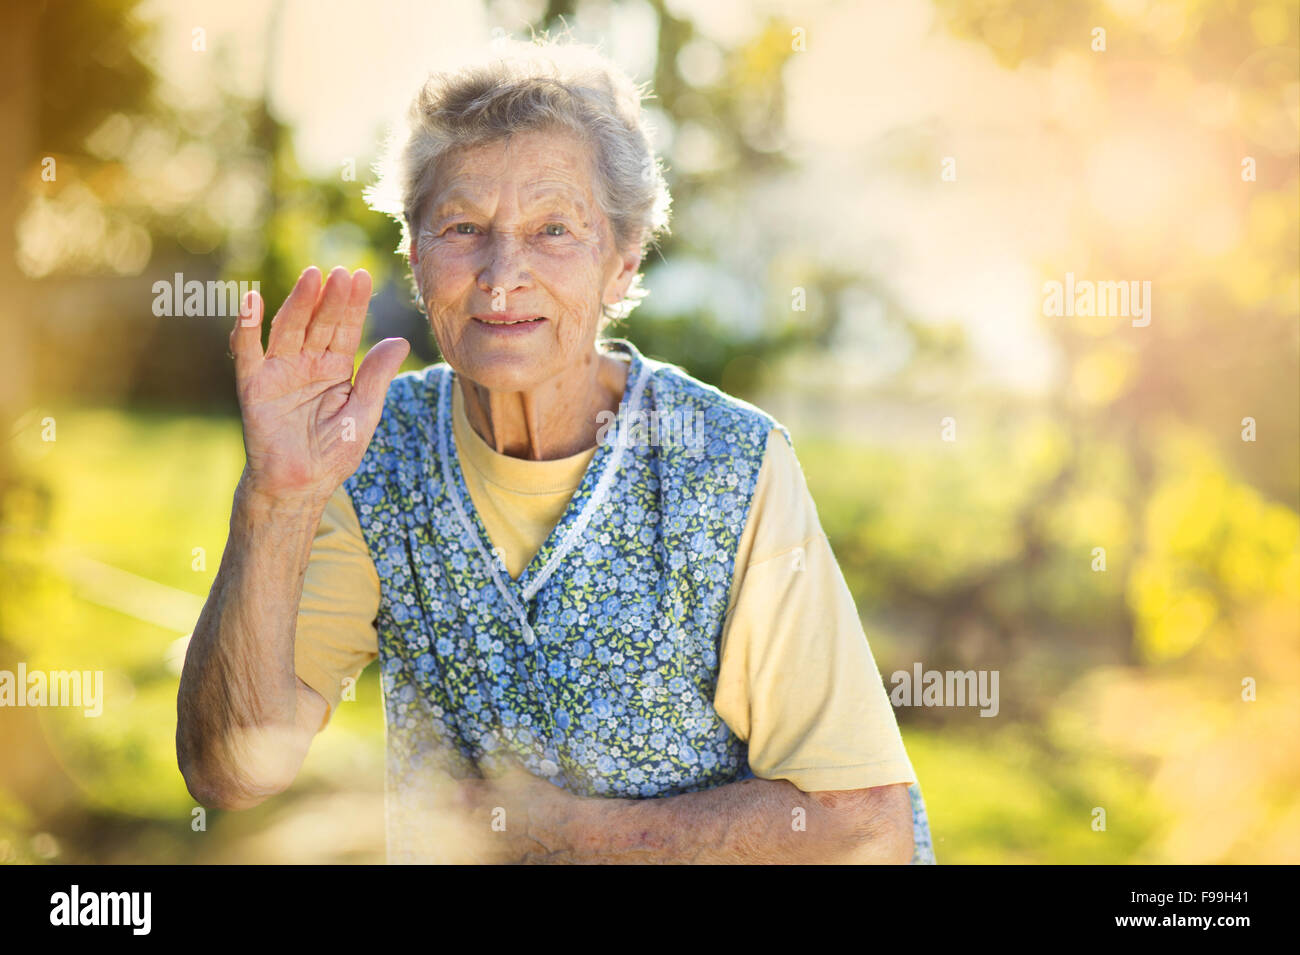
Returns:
<point x="348" y="334"/>
<point x="246" y="336"/>
<point x="330" y="311"/>
<point x="377" y="371"/>
<point x="290" y="322"/>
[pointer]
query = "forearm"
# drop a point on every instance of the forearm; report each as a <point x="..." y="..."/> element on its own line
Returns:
<point x="752" y="821"/>
<point x="236" y="737"/>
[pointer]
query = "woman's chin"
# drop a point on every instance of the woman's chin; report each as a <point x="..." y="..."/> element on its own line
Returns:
<point x="506" y="372"/>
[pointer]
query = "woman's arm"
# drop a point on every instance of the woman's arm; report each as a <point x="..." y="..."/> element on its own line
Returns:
<point x="244" y="719"/>
<point x="752" y="821"/>
<point x="523" y="819"/>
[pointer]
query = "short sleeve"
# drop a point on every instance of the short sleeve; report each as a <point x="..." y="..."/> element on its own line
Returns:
<point x="336" y="634"/>
<point x="797" y="679"/>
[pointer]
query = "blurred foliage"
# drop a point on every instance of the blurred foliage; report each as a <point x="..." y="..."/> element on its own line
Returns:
<point x="78" y="90"/>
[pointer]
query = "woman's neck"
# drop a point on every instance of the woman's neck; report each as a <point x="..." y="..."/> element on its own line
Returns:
<point x="557" y="419"/>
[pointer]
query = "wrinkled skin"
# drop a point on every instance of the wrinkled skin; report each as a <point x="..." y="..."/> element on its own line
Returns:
<point x="513" y="228"/>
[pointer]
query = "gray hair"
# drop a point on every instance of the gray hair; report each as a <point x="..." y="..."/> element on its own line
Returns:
<point x="533" y="85"/>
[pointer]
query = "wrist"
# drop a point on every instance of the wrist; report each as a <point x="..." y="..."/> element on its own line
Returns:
<point x="555" y="821"/>
<point x="262" y="501"/>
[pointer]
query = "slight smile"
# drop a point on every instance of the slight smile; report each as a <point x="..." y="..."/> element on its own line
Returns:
<point x="507" y="318"/>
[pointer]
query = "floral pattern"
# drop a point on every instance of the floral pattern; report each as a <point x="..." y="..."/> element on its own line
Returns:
<point x="596" y="669"/>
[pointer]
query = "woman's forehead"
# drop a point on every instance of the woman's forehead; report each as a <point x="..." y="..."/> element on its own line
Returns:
<point x="471" y="192"/>
<point x="534" y="156"/>
<point x="534" y="176"/>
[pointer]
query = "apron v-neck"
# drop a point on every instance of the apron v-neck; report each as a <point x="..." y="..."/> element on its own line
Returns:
<point x="583" y="505"/>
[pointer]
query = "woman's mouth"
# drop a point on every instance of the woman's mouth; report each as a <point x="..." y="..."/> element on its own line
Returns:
<point x="504" y="323"/>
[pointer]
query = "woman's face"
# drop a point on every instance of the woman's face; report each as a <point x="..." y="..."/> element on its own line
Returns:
<point x="514" y="259"/>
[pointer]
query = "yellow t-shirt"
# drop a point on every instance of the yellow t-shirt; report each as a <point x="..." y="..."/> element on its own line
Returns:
<point x="796" y="677"/>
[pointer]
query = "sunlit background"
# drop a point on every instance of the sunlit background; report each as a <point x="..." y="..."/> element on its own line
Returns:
<point x="912" y="174"/>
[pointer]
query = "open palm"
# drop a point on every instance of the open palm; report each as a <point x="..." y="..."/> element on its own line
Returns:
<point x="307" y="423"/>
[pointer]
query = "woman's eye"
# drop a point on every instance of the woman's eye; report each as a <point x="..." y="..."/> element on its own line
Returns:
<point x="464" y="228"/>
<point x="560" y="230"/>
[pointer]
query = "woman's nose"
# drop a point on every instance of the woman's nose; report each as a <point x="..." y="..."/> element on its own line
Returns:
<point x="506" y="263"/>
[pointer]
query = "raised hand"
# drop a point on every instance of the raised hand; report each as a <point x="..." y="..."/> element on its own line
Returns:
<point x="307" y="423"/>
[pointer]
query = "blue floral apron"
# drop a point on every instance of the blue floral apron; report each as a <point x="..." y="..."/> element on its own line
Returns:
<point x="597" y="668"/>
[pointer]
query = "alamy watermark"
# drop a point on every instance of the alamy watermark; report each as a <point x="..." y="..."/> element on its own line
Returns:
<point x="659" y="429"/>
<point x="83" y="688"/>
<point x="1124" y="299"/>
<point x="74" y="907"/>
<point x="921" y="687"/>
<point x="178" y="298"/>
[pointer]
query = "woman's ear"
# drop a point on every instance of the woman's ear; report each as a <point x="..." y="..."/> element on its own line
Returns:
<point x="412" y="254"/>
<point x="618" y="285"/>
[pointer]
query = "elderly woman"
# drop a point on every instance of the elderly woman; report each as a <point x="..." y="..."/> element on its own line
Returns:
<point x="589" y="579"/>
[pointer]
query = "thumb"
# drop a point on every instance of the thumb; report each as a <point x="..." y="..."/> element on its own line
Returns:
<point x="377" y="371"/>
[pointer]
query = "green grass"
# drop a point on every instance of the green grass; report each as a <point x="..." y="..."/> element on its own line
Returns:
<point x="1000" y="797"/>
